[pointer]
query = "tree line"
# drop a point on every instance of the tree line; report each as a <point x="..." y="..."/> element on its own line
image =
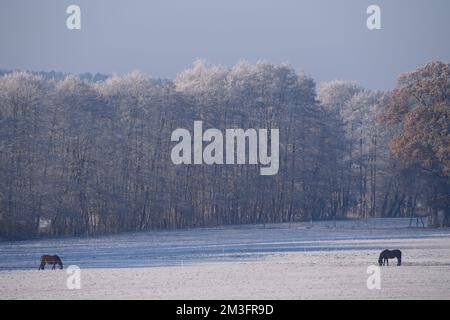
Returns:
<point x="83" y="157"/>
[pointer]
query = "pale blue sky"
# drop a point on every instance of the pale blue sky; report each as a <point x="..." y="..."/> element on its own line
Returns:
<point x="328" y="39"/>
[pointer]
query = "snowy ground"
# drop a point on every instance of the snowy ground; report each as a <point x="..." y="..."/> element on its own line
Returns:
<point x="297" y="261"/>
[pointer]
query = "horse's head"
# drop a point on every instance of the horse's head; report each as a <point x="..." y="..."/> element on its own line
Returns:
<point x="59" y="262"/>
<point x="380" y="260"/>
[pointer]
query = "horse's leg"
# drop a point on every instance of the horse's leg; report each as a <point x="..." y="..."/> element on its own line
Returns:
<point x="54" y="266"/>
<point x="387" y="262"/>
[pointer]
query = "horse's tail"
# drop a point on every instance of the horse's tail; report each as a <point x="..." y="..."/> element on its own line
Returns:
<point x="399" y="258"/>
<point x="42" y="262"/>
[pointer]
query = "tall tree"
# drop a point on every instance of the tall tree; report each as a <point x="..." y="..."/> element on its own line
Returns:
<point x="419" y="110"/>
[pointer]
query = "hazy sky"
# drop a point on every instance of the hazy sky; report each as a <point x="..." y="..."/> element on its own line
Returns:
<point x="328" y="39"/>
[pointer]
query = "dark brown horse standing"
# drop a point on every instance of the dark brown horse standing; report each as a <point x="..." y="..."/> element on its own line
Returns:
<point x="390" y="254"/>
<point x="47" y="259"/>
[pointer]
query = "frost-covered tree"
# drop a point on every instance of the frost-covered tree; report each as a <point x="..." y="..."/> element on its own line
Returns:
<point x="84" y="157"/>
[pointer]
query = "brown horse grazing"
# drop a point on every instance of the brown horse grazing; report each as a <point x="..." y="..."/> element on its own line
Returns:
<point x="390" y="254"/>
<point x="47" y="259"/>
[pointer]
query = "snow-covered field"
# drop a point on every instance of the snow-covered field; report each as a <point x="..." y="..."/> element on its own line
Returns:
<point x="297" y="261"/>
